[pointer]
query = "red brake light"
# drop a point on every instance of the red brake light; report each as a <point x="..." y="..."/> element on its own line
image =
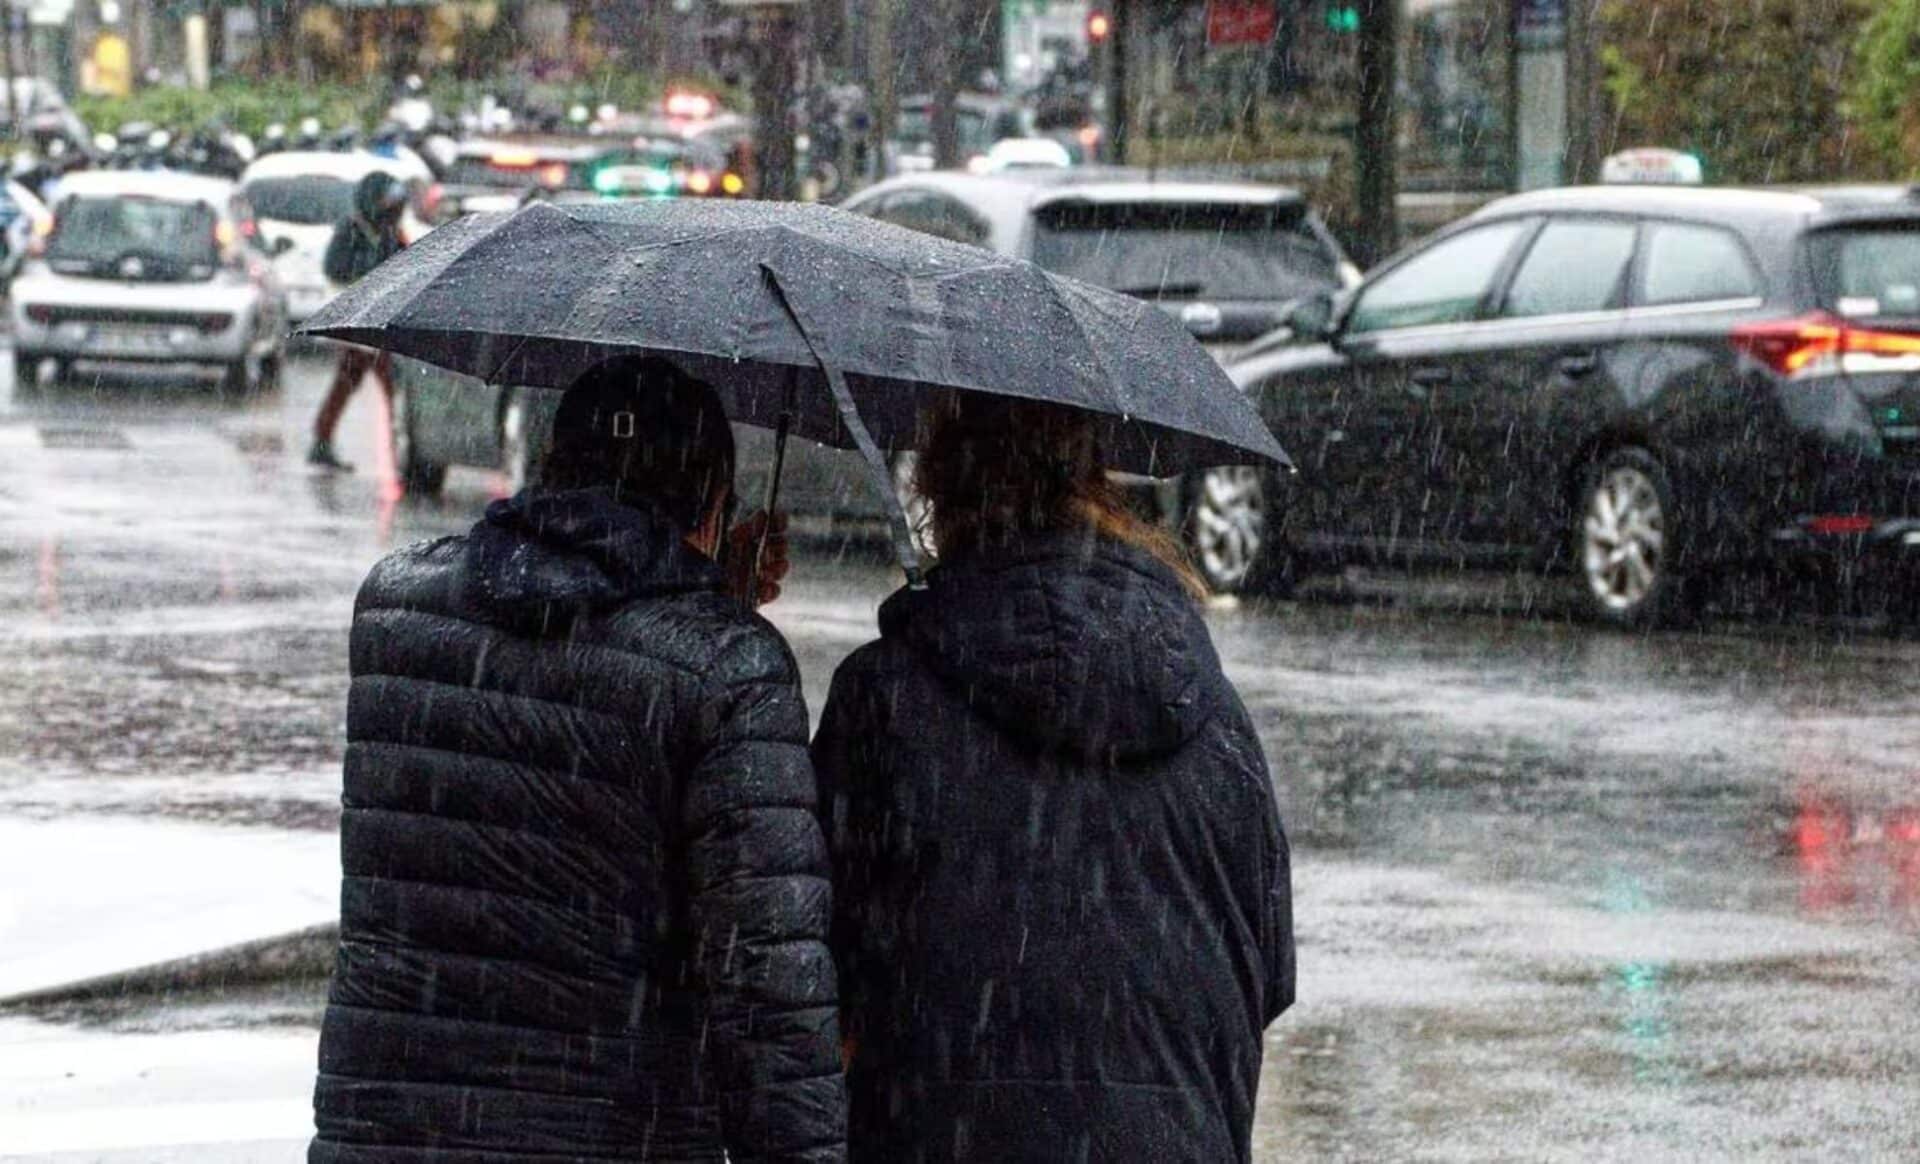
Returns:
<point x="1818" y="344"/>
<point x="1838" y="524"/>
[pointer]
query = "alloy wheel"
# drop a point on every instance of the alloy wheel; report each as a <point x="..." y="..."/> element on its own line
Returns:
<point x="1623" y="544"/>
<point x="1229" y="525"/>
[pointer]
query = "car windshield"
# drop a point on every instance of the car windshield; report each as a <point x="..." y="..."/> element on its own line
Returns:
<point x="1869" y="271"/>
<point x="305" y="199"/>
<point x="98" y="229"/>
<point x="1185" y="250"/>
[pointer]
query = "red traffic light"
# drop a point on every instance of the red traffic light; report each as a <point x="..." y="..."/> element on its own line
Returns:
<point x="1099" y="26"/>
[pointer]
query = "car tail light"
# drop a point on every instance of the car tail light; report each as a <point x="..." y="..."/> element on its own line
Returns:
<point x="732" y="184"/>
<point x="700" y="182"/>
<point x="554" y="175"/>
<point x="1821" y="344"/>
<point x="1840" y="524"/>
<point x="40" y="313"/>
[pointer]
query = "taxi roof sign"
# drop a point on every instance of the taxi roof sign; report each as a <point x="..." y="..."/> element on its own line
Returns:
<point x="1651" y="167"/>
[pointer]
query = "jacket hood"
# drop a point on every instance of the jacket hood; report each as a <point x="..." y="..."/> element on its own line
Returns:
<point x="541" y="559"/>
<point x="1075" y="642"/>
<point x="368" y="195"/>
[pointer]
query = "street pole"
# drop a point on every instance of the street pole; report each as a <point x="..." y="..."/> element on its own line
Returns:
<point x="885" y="109"/>
<point x="1119" y="113"/>
<point x="13" y="121"/>
<point x="1374" y="146"/>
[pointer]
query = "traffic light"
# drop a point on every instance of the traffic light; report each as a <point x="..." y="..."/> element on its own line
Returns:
<point x="1099" y="26"/>
<point x="1343" y="17"/>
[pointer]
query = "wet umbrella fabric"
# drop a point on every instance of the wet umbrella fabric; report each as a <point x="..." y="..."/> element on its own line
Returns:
<point x="842" y="325"/>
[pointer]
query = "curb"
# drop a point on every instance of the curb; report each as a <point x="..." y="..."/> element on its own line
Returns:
<point x="304" y="953"/>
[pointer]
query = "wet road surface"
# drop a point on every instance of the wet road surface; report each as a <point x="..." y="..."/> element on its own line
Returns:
<point x="1561" y="893"/>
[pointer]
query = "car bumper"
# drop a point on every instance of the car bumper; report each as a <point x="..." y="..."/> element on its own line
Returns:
<point x="144" y="344"/>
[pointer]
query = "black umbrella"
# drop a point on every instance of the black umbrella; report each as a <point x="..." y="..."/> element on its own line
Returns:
<point x="837" y="327"/>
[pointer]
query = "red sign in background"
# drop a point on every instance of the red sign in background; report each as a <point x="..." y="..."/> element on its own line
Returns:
<point x="1231" y="22"/>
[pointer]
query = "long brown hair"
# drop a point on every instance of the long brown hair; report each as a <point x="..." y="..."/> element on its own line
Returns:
<point x="994" y="472"/>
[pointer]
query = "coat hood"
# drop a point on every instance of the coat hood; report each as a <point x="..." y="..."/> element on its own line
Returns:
<point x="1075" y="642"/>
<point x="541" y="559"/>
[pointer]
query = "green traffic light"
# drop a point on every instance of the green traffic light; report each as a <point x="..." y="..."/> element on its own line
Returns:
<point x="1343" y="18"/>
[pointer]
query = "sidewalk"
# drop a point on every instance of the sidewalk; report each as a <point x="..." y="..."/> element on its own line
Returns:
<point x="91" y="901"/>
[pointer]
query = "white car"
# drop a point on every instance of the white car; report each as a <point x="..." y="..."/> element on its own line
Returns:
<point x="149" y="267"/>
<point x="301" y="195"/>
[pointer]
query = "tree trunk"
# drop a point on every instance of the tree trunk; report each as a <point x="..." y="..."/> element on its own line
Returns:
<point x="945" y="84"/>
<point x="1374" y="139"/>
<point x="881" y="63"/>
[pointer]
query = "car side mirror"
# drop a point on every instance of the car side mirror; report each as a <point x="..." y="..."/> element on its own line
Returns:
<point x="1311" y="318"/>
<point x="281" y="246"/>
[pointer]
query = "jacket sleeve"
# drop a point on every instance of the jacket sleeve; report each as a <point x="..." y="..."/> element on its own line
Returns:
<point x="759" y="903"/>
<point x="1276" y="921"/>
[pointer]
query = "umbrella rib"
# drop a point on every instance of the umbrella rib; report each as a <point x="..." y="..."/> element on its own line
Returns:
<point x="897" y="526"/>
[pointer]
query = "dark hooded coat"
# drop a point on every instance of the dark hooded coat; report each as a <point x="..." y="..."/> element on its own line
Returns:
<point x="1063" y="913"/>
<point x="585" y="899"/>
<point x="368" y="237"/>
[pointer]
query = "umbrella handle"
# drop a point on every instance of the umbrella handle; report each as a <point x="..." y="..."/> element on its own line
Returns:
<point x="773" y="495"/>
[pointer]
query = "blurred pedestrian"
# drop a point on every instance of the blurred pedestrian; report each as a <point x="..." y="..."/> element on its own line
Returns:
<point x="365" y="239"/>
<point x="585" y="900"/>
<point x="1063" y="914"/>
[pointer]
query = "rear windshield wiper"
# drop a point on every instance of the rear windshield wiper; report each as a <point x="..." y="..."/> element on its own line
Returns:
<point x="1161" y="290"/>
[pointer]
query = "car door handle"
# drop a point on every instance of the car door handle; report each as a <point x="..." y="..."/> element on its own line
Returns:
<point x="1579" y="364"/>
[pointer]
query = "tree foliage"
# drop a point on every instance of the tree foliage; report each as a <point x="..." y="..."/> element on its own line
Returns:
<point x="1759" y="89"/>
<point x="1886" y="83"/>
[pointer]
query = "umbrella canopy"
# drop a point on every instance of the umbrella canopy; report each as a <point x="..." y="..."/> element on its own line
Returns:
<point x="829" y="320"/>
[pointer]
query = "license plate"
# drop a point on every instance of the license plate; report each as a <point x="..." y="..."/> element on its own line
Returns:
<point x="126" y="339"/>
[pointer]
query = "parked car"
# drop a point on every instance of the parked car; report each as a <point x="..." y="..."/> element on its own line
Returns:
<point x="1642" y="385"/>
<point x="300" y="196"/>
<point x="150" y="268"/>
<point x="1227" y="259"/>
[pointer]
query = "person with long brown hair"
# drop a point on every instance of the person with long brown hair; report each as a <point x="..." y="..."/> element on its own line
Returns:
<point x="1062" y="906"/>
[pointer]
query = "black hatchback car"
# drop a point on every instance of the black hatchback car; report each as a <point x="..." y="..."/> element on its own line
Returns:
<point x="1641" y="384"/>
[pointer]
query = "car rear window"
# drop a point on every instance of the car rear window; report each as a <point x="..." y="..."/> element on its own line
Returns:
<point x="513" y="170"/>
<point x="1870" y="271"/>
<point x="1185" y="250"/>
<point x="171" y="239"/>
<point x="306" y="199"/>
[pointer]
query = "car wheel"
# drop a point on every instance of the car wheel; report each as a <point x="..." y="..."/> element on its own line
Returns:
<point x="26" y="374"/>
<point x="516" y="443"/>
<point x="1227" y="529"/>
<point x="238" y="382"/>
<point x="1625" y="531"/>
<point x="419" y="476"/>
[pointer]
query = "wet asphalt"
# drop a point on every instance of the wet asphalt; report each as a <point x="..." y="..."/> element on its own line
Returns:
<point x="1562" y="893"/>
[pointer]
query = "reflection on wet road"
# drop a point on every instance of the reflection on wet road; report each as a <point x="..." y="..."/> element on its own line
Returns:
<point x="1562" y="894"/>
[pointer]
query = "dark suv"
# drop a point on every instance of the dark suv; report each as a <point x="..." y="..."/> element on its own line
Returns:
<point x="1641" y="384"/>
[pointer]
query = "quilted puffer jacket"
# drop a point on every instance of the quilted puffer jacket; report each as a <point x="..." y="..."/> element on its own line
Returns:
<point x="585" y="894"/>
<point x="1063" y="908"/>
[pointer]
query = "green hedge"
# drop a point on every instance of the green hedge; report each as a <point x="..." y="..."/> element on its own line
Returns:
<point x="246" y="106"/>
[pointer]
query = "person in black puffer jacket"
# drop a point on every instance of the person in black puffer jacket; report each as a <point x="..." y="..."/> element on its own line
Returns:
<point x="585" y="898"/>
<point x="1063" y="910"/>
